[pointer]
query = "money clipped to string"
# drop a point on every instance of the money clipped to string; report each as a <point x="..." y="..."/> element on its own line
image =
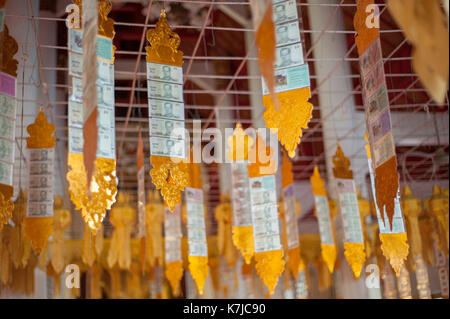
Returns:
<point x="378" y="115"/>
<point x="291" y="213"/>
<point x="348" y="207"/>
<point x="154" y="219"/>
<point x="412" y="208"/>
<point x="166" y="112"/>
<point x="196" y="228"/>
<point x="425" y="27"/>
<point x="322" y="211"/>
<point x="269" y="261"/>
<point x="172" y="245"/>
<point x="286" y="87"/>
<point x="123" y="218"/>
<point x="38" y="223"/>
<point x="239" y="145"/>
<point x="95" y="200"/>
<point x="394" y="240"/>
<point x="8" y="79"/>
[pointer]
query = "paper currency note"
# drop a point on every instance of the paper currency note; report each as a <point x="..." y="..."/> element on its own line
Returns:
<point x="7" y="106"/>
<point x="265" y="227"/>
<point x="370" y="58"/>
<point x="105" y="49"/>
<point x="75" y="64"/>
<point x="7" y="128"/>
<point x="41" y="195"/>
<point x="7" y="84"/>
<point x="284" y="12"/>
<point x="264" y="197"/>
<point x="324" y="220"/>
<point x="166" y="128"/>
<point x="383" y="150"/>
<point x="289" y="56"/>
<point x="167" y="147"/>
<point x="106" y="146"/>
<point x="267" y="243"/>
<point x="40" y="181"/>
<point x="6" y="171"/>
<point x="374" y="80"/>
<point x="166" y="109"/>
<point x="7" y="151"/>
<point x="105" y="72"/>
<point x="290" y="79"/>
<point x="196" y="234"/>
<point x="265" y="212"/>
<point x="165" y="91"/>
<point x="377" y="102"/>
<point x="75" y="114"/>
<point x="163" y="72"/>
<point x="287" y="33"/>
<point x="76" y="140"/>
<point x="348" y="205"/>
<point x="172" y="250"/>
<point x="198" y="249"/>
<point x="40" y="209"/>
<point x="380" y="126"/>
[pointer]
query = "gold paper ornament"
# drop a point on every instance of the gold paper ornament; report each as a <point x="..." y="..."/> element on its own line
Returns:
<point x="122" y="217"/>
<point x="154" y="218"/>
<point x="223" y="215"/>
<point x="439" y="210"/>
<point x="92" y="245"/>
<point x="61" y="221"/>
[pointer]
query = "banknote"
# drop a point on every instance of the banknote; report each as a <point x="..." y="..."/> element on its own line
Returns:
<point x="7" y="106"/>
<point x="265" y="212"/>
<point x="77" y="90"/>
<point x="323" y="218"/>
<point x="262" y="183"/>
<point x="41" y="195"/>
<point x="377" y="102"/>
<point x="198" y="249"/>
<point x="264" y="197"/>
<point x="380" y="126"/>
<point x="7" y="128"/>
<point x="242" y="217"/>
<point x="2" y="19"/>
<point x="41" y="154"/>
<point x="289" y="79"/>
<point x="76" y="41"/>
<point x="370" y="58"/>
<point x="166" y="128"/>
<point x="166" y="109"/>
<point x="105" y="95"/>
<point x="265" y="227"/>
<point x="374" y="80"/>
<point x="352" y="230"/>
<point x="267" y="243"/>
<point x="196" y="234"/>
<point x="284" y="12"/>
<point x="76" y="140"/>
<point x="345" y="185"/>
<point x="105" y="49"/>
<point x="75" y="64"/>
<point x="163" y="72"/>
<point x="7" y="151"/>
<point x="165" y="91"/>
<point x="167" y="147"/>
<point x="195" y="220"/>
<point x="41" y="168"/>
<point x="287" y="33"/>
<point x="172" y="250"/>
<point x="289" y="56"/>
<point x="6" y="173"/>
<point x="105" y="118"/>
<point x="75" y="114"/>
<point x="172" y="224"/>
<point x="106" y="146"/>
<point x="40" y="209"/>
<point x="383" y="150"/>
<point x="105" y="72"/>
<point x="194" y="208"/>
<point x="194" y="194"/>
<point x="7" y="84"/>
<point x="41" y="181"/>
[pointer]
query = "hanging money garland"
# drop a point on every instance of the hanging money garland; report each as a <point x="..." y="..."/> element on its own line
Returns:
<point x="322" y="210"/>
<point x="412" y="207"/>
<point x="38" y="223"/>
<point x="166" y="112"/>
<point x="172" y="245"/>
<point x="239" y="146"/>
<point x="378" y="116"/>
<point x="348" y="206"/>
<point x="196" y="228"/>
<point x="290" y="216"/>
<point x="93" y="201"/>
<point x="266" y="233"/>
<point x="286" y="80"/>
<point x="393" y="240"/>
<point x="8" y="74"/>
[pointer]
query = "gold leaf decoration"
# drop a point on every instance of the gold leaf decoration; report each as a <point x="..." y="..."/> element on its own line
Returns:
<point x="355" y="255"/>
<point x="341" y="163"/>
<point x="291" y="118"/>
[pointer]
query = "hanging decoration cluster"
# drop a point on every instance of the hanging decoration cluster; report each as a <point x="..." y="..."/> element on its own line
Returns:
<point x="93" y="201"/>
<point x="8" y="79"/>
<point x="286" y="80"/>
<point x="166" y="112"/>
